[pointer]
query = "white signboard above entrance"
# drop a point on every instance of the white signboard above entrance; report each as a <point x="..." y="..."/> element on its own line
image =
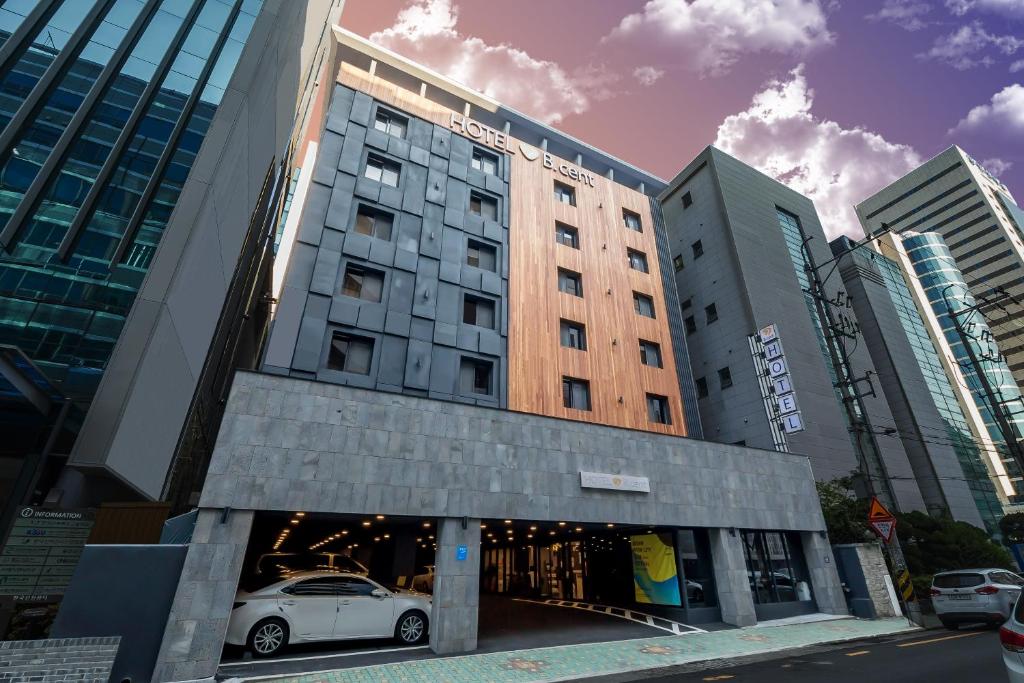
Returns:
<point x="614" y="482"/>
<point x="500" y="141"/>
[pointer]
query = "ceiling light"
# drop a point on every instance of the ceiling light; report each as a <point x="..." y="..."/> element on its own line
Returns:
<point x="426" y="524"/>
<point x="366" y="523"/>
<point x="295" y="521"/>
<point x="610" y="525"/>
<point x="533" y="528"/>
<point x="508" y="521"/>
<point x="561" y="524"/>
<point x="579" y="528"/>
<point x="387" y="535"/>
<point x="380" y="516"/>
<point x="300" y="514"/>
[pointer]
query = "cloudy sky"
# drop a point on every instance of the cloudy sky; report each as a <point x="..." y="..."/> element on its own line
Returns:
<point x="834" y="97"/>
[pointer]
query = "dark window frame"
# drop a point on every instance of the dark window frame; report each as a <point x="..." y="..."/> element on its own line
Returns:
<point x="646" y="349"/>
<point x="391" y="119"/>
<point x="698" y="249"/>
<point x="569" y="398"/>
<point x="687" y="199"/>
<point x="570" y="230"/>
<point x="627" y="215"/>
<point x="478" y="158"/>
<point x="476" y="300"/>
<point x="484" y="200"/>
<point x="384" y="164"/>
<point x="710" y="314"/>
<point x="570" y="276"/>
<point x="658" y="409"/>
<point x="481" y="248"/>
<point x="350" y="338"/>
<point x="639" y="298"/>
<point x="561" y="189"/>
<point x="701" y="385"/>
<point x="641" y="257"/>
<point x="475" y="365"/>
<point x="358" y="269"/>
<point x="677" y="262"/>
<point x="376" y="215"/>
<point x="724" y="377"/>
<point x="566" y="329"/>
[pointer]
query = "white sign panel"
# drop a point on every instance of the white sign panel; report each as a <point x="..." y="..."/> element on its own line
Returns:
<point x="792" y="423"/>
<point x="782" y="385"/>
<point x="768" y="333"/>
<point x="777" y="367"/>
<point x="773" y="350"/>
<point x="786" y="403"/>
<point x="614" y="482"/>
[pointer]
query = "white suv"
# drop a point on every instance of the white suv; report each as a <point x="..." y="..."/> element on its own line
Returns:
<point x="323" y="606"/>
<point x="972" y="596"/>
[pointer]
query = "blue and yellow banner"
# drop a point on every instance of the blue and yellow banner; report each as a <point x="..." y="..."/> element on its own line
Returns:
<point x="655" y="580"/>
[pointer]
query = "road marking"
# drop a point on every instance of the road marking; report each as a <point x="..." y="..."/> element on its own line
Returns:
<point x="858" y="653"/>
<point x="939" y="640"/>
<point x="629" y="615"/>
<point x="250" y="662"/>
<point x="721" y="677"/>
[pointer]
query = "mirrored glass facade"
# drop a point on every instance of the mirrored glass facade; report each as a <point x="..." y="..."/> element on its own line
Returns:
<point x="104" y="105"/>
<point x="944" y="286"/>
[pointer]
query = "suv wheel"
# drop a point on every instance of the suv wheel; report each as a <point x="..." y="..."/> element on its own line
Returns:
<point x="952" y="626"/>
<point x="411" y="628"/>
<point x="268" y="637"/>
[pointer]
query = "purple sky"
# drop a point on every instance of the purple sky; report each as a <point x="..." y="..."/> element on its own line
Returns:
<point x="834" y="97"/>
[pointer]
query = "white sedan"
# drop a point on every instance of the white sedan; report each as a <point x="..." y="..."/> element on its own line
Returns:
<point x="323" y="606"/>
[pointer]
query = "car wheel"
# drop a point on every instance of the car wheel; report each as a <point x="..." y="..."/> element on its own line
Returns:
<point x="950" y="625"/>
<point x="411" y="628"/>
<point x="268" y="637"/>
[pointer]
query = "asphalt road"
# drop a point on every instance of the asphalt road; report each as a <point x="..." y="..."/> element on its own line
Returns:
<point x="967" y="655"/>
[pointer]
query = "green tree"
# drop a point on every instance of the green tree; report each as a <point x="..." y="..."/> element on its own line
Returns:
<point x="935" y="544"/>
<point x="1012" y="526"/>
<point x="845" y="514"/>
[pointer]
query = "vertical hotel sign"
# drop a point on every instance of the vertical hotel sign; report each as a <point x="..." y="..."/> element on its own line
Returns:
<point x="778" y="376"/>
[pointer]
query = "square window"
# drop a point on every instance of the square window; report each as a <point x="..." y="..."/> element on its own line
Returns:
<point x="650" y="353"/>
<point x="382" y="170"/>
<point x="480" y="255"/>
<point x="710" y="314"/>
<point x="567" y="235"/>
<point x="362" y="283"/>
<point x="575" y="393"/>
<point x="349" y="353"/>
<point x="637" y="260"/>
<point x="702" y="387"/>
<point x="631" y="220"/>
<point x="565" y="194"/>
<point x="478" y="311"/>
<point x="573" y="335"/>
<point x="686" y="304"/>
<point x="690" y="324"/>
<point x="657" y="409"/>
<point x="482" y="161"/>
<point x="570" y="282"/>
<point x="482" y="205"/>
<point x="725" y="378"/>
<point x="677" y="262"/>
<point x="643" y="305"/>
<point x="698" y="249"/>
<point x="475" y="376"/>
<point x="687" y="200"/>
<point x="375" y="223"/>
<point x="389" y="123"/>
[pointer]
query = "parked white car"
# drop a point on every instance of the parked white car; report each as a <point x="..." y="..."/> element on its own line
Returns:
<point x="1011" y="637"/>
<point x="973" y="596"/>
<point x="324" y="606"/>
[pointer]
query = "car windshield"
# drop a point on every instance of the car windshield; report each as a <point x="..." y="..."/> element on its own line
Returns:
<point x="964" y="580"/>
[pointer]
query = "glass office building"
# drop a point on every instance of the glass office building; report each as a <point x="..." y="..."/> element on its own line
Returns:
<point x="957" y="431"/>
<point x="944" y="285"/>
<point x="103" y="107"/>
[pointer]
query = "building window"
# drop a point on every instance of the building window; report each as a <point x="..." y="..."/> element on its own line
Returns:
<point x="575" y="393"/>
<point x="567" y="235"/>
<point x="389" y="123"/>
<point x="643" y="305"/>
<point x="690" y="324"/>
<point x="677" y="262"/>
<point x="687" y="200"/>
<point x="637" y="260"/>
<point x="382" y="170"/>
<point x="478" y="311"/>
<point x="657" y="409"/>
<point x="650" y="353"/>
<point x="698" y="249"/>
<point x="775" y="565"/>
<point x="570" y="282"/>
<point x="574" y="335"/>
<point x="362" y="283"/>
<point x="350" y="353"/>
<point x="702" y="387"/>
<point x="686" y="305"/>
<point x="631" y="220"/>
<point x="480" y="255"/>
<point x="482" y="205"/>
<point x="370" y="221"/>
<point x="475" y="376"/>
<point x="710" y="314"/>
<point x="565" y="194"/>
<point x="724" y="378"/>
<point x="482" y="161"/>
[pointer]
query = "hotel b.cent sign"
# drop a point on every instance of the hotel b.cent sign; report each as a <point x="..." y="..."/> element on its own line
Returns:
<point x="614" y="482"/>
<point x="500" y="141"/>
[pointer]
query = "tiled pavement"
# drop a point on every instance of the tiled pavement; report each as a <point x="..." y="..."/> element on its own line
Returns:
<point x="544" y="665"/>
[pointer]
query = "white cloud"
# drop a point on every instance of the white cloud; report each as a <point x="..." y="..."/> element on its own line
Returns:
<point x="1008" y="8"/>
<point x="426" y="31"/>
<point x="1003" y="115"/>
<point x="647" y="75"/>
<point x="715" y="33"/>
<point x="907" y="14"/>
<point x="997" y="166"/>
<point x="1017" y="66"/>
<point x="970" y="46"/>
<point x="836" y="167"/>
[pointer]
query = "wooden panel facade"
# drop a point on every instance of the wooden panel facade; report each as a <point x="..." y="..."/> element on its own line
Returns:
<point x="619" y="381"/>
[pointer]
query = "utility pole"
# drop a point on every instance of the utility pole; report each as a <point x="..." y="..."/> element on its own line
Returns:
<point x="993" y="397"/>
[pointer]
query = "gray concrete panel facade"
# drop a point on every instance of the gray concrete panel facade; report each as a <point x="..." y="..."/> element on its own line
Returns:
<point x="417" y="328"/>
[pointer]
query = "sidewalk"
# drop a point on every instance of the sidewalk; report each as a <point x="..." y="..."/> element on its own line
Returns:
<point x="569" y="662"/>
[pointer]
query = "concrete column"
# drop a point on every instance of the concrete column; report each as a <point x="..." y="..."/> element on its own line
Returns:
<point x="453" y="617"/>
<point x="731" y="578"/>
<point x="821" y="566"/>
<point x="198" y="621"/>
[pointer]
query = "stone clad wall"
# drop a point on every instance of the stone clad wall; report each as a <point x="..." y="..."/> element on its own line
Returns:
<point x="83" y="660"/>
